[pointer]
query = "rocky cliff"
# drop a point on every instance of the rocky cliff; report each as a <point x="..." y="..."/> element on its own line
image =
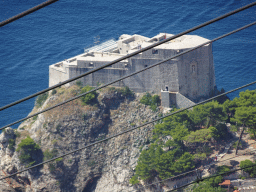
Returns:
<point x="107" y="166"/>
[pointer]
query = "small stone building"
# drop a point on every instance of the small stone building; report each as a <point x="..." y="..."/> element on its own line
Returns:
<point x="188" y="78"/>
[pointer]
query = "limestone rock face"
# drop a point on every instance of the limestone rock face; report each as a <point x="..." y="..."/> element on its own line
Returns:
<point x="106" y="166"/>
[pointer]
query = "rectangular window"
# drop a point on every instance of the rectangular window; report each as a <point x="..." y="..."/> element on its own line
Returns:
<point x="154" y="51"/>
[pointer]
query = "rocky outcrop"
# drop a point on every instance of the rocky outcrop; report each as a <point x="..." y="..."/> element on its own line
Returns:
<point x="106" y="166"/>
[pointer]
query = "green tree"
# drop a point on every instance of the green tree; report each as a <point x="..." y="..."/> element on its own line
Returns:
<point x="27" y="149"/>
<point x="199" y="137"/>
<point x="146" y="99"/>
<point x="153" y="102"/>
<point x="219" y="132"/>
<point x="89" y="98"/>
<point x="184" y="163"/>
<point x="207" y="187"/>
<point x="208" y="114"/>
<point x="251" y="170"/>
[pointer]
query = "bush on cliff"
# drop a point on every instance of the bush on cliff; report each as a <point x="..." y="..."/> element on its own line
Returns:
<point x="152" y="101"/>
<point x="41" y="99"/>
<point x="126" y="91"/>
<point x="28" y="149"/>
<point x="89" y="98"/>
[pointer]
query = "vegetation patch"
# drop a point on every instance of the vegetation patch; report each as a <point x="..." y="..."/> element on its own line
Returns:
<point x="91" y="163"/>
<point x="49" y="154"/>
<point x="27" y="149"/>
<point x="152" y="101"/>
<point x="11" y="144"/>
<point x="248" y="163"/>
<point x="41" y="99"/>
<point x="90" y="98"/>
<point x="54" y="91"/>
<point x="190" y="134"/>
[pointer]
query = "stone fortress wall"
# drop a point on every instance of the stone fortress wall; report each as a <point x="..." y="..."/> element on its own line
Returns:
<point x="190" y="75"/>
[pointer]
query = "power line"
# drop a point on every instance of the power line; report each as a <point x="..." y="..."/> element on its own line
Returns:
<point x="122" y="78"/>
<point x="185" y="173"/>
<point x="33" y="9"/>
<point x="130" y="55"/>
<point x="128" y="130"/>
<point x="198" y="180"/>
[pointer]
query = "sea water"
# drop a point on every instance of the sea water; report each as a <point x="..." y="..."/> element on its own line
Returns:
<point x="29" y="45"/>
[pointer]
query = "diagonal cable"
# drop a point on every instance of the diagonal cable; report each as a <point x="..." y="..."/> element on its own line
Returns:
<point x="129" y="130"/>
<point x="23" y="14"/>
<point x="130" y="55"/>
<point x="73" y="98"/>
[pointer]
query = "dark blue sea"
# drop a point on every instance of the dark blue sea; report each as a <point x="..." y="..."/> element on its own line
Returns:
<point x="29" y="45"/>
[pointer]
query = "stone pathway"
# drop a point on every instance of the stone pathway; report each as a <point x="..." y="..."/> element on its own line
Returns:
<point x="205" y="172"/>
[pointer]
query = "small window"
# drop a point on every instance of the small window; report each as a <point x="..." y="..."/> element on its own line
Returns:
<point x="91" y="64"/>
<point x="145" y="66"/>
<point x="193" y="68"/>
<point x="154" y="51"/>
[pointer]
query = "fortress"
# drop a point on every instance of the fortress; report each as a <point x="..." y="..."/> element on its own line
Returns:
<point x="182" y="81"/>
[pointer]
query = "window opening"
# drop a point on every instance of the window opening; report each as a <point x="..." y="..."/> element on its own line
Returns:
<point x="154" y="51"/>
<point x="193" y="68"/>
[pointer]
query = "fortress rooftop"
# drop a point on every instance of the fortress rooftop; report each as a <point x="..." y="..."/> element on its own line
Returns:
<point x="114" y="49"/>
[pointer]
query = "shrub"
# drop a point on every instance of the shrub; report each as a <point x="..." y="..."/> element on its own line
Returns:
<point x="35" y="117"/>
<point x="153" y="107"/>
<point x="17" y="133"/>
<point x="59" y="159"/>
<point x="50" y="154"/>
<point x="54" y="91"/>
<point x="127" y="92"/>
<point x="27" y="147"/>
<point x="156" y="100"/>
<point x="146" y="99"/>
<point x="41" y="99"/>
<point x="79" y="84"/>
<point x="91" y="163"/>
<point x="11" y="144"/>
<point x="153" y="102"/>
<point x="134" y="180"/>
<point x="89" y="98"/>
<point x="51" y="167"/>
<point x="251" y="168"/>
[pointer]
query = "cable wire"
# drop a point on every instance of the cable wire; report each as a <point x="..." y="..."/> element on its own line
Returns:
<point x="33" y="9"/>
<point x="100" y="87"/>
<point x="128" y="130"/>
<point x="130" y="55"/>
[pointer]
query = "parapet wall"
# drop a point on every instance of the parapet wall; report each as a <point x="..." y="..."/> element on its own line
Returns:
<point x="182" y="101"/>
<point x="170" y="99"/>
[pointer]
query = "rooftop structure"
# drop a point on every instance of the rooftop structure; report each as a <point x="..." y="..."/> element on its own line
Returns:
<point x="191" y="75"/>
